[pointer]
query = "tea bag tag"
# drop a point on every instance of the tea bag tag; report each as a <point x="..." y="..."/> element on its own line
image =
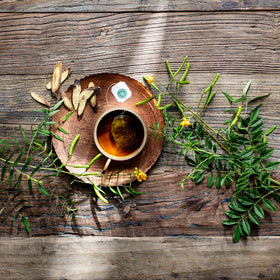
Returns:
<point x="121" y="92"/>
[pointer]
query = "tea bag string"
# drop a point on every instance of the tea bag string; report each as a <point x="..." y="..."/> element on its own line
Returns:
<point x="107" y="102"/>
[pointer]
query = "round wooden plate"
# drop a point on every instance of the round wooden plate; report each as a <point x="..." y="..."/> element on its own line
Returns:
<point x="85" y="150"/>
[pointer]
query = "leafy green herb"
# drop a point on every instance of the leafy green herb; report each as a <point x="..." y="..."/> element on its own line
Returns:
<point x="242" y="162"/>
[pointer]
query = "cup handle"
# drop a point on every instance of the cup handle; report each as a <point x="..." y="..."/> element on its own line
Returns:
<point x="106" y="165"/>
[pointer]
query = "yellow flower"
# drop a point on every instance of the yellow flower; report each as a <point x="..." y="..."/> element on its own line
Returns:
<point x="140" y="176"/>
<point x="149" y="79"/>
<point x="185" y="122"/>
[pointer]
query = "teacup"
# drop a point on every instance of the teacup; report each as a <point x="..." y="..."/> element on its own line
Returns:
<point x="120" y="134"/>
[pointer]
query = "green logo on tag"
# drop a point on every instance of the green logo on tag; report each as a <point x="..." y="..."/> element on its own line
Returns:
<point x="122" y="93"/>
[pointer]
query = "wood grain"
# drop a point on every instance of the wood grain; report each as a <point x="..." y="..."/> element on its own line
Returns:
<point x="134" y="43"/>
<point x="135" y="5"/>
<point x="242" y="46"/>
<point x="164" y="258"/>
<point x="163" y="209"/>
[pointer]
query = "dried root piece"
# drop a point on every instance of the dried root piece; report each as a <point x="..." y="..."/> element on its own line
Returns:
<point x="40" y="99"/>
<point x="92" y="100"/>
<point x="67" y="102"/>
<point x="64" y="75"/>
<point x="56" y="78"/>
<point x="76" y="94"/>
<point x="85" y="95"/>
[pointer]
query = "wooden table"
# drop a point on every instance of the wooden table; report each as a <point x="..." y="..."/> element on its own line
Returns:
<point x="167" y="232"/>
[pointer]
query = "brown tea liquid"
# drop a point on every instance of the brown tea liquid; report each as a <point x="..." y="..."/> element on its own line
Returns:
<point x="129" y="137"/>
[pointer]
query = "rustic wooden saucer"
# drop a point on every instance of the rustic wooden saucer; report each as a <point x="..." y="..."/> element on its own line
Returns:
<point x="85" y="150"/>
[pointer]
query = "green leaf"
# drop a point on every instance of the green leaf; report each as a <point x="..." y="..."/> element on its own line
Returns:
<point x="200" y="131"/>
<point x="267" y="153"/>
<point x="25" y="224"/>
<point x="270" y="130"/>
<point x="49" y="123"/>
<point x="276" y="196"/>
<point x="229" y="222"/>
<point x="228" y="181"/>
<point x="272" y="165"/>
<point x="236" y="233"/>
<point x="3" y="172"/>
<point x="11" y="178"/>
<point x="18" y="158"/>
<point x="237" y="207"/>
<point x="42" y="111"/>
<point x="190" y="161"/>
<point x="67" y="116"/>
<point x="230" y="99"/>
<point x="23" y="134"/>
<point x="261" y="146"/>
<point x="134" y="191"/>
<point x="26" y="163"/>
<point x="246" y="154"/>
<point x="53" y="113"/>
<point x="264" y="177"/>
<point x="98" y="193"/>
<point x="245" y="90"/>
<point x="215" y="148"/>
<point x="255" y="124"/>
<point x="253" y="217"/>
<point x="208" y="142"/>
<point x="44" y="132"/>
<point x="19" y="181"/>
<point x="257" y="128"/>
<point x="258" y="97"/>
<point x="200" y="178"/>
<point x="113" y="190"/>
<point x="119" y="193"/>
<point x="246" y="226"/>
<point x="30" y="186"/>
<point x="253" y="193"/>
<point x="218" y="164"/>
<point x="259" y="211"/>
<point x="63" y="130"/>
<point x="232" y="214"/>
<point x="36" y="169"/>
<point x="43" y="190"/>
<point x="210" y="180"/>
<point x="5" y="143"/>
<point x="209" y="99"/>
<point x="268" y="204"/>
<point x="57" y="105"/>
<point x="57" y="137"/>
<point x="244" y="200"/>
<point x="14" y="138"/>
<point x="218" y="181"/>
<point x="254" y="115"/>
<point x="239" y="100"/>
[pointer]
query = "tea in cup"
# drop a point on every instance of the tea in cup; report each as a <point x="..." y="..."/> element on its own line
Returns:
<point x="120" y="134"/>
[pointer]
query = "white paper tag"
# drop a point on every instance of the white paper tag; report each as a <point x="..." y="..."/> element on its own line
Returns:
<point x="121" y="92"/>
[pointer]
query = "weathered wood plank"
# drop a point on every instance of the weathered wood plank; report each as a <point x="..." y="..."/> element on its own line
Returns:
<point x="240" y="43"/>
<point x="136" y="44"/>
<point x="135" y="5"/>
<point x="72" y="258"/>
<point x="164" y="209"/>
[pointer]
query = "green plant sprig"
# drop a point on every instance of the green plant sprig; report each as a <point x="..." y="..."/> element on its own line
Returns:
<point x="242" y="163"/>
<point x="20" y="162"/>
